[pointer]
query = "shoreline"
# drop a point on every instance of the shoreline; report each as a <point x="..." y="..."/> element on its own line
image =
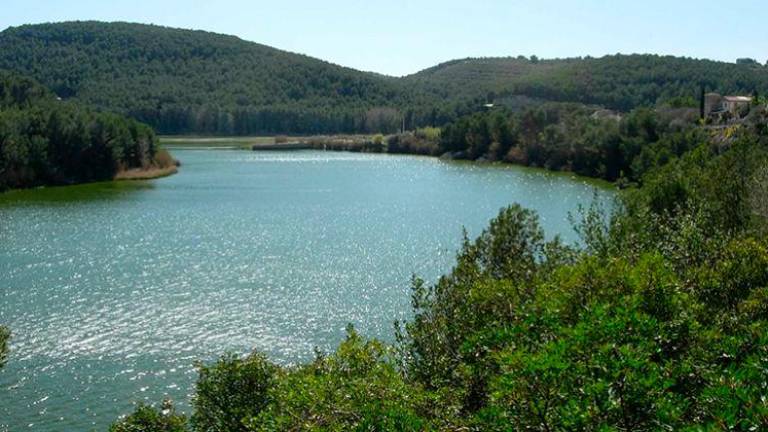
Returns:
<point x="145" y="174"/>
<point x="253" y="143"/>
<point x="352" y="143"/>
<point x="132" y="175"/>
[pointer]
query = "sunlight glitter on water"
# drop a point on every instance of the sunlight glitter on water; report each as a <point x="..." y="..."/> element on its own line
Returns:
<point x="113" y="291"/>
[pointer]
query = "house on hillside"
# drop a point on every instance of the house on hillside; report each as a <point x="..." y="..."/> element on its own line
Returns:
<point x="734" y="104"/>
<point x="716" y="105"/>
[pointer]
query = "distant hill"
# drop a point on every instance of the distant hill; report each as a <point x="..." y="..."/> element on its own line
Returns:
<point x="184" y="81"/>
<point x="621" y="82"/>
<point x="193" y="81"/>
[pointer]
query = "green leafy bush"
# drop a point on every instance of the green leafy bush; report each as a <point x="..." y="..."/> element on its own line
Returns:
<point x="356" y="388"/>
<point x="148" y="419"/>
<point x="231" y="391"/>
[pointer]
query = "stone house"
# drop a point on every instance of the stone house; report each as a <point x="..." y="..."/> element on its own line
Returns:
<point x="715" y="104"/>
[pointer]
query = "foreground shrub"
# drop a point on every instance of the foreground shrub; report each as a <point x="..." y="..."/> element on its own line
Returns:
<point x="231" y="391"/>
<point x="149" y="419"/>
<point x="356" y="388"/>
<point x="454" y="323"/>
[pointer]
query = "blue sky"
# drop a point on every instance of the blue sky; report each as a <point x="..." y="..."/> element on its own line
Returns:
<point x="401" y="37"/>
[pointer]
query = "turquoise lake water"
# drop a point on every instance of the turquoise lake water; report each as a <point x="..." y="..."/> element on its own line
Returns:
<point x="114" y="290"/>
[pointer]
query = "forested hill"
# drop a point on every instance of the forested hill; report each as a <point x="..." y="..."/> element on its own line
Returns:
<point x="184" y="81"/>
<point x="194" y="81"/>
<point x="620" y="82"/>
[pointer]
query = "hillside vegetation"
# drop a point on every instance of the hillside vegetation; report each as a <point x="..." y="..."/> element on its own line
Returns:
<point x="567" y="137"/>
<point x="563" y="137"/>
<point x="620" y="82"/>
<point x="183" y="81"/>
<point x="45" y="141"/>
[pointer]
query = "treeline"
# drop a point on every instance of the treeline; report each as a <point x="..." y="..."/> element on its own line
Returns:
<point x="658" y="321"/>
<point x="182" y="81"/>
<point x="44" y="141"/>
<point x="569" y="137"/>
<point x="555" y="136"/>
<point x="560" y="137"/>
<point x="291" y="119"/>
<point x="422" y="141"/>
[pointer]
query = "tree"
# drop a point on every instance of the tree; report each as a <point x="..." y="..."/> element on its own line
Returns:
<point x="746" y="61"/>
<point x="382" y="119"/>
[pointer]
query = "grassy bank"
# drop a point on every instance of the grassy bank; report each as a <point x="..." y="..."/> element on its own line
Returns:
<point x="216" y="142"/>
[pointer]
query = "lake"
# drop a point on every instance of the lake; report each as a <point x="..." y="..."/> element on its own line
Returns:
<point x="114" y="290"/>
